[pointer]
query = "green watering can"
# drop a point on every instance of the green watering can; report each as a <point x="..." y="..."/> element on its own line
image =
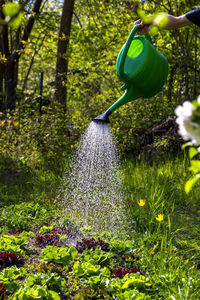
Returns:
<point x="141" y="67"/>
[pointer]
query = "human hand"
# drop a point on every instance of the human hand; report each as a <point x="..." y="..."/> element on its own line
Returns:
<point x="143" y="28"/>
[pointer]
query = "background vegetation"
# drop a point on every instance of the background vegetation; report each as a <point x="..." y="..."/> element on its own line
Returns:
<point x="78" y="63"/>
<point x="98" y="31"/>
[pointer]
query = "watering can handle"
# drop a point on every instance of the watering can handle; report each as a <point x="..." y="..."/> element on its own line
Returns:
<point x="125" y="51"/>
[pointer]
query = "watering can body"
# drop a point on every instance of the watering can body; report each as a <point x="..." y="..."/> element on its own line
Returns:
<point x="144" y="67"/>
<point x="141" y="67"/>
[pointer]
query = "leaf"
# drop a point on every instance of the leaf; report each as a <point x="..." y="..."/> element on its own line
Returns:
<point x="54" y="295"/>
<point x="145" y="19"/>
<point x="11" y="9"/>
<point x="133" y="282"/>
<point x="193" y="152"/>
<point x="195" y="166"/>
<point x="16" y="22"/>
<point x="186" y="145"/>
<point x="153" y="30"/>
<point x="189" y="184"/>
<point x="161" y="21"/>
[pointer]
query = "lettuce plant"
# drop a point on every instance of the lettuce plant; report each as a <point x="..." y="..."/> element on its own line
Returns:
<point x="36" y="292"/>
<point x="47" y="239"/>
<point x="45" y="229"/>
<point x="9" y="277"/>
<point x="51" y="281"/>
<point x="87" y="269"/>
<point x="91" y="244"/>
<point x="10" y="259"/>
<point x="128" y="282"/>
<point x="121" y="247"/>
<point x="15" y="244"/>
<point x="59" y="255"/>
<point x="98" y="257"/>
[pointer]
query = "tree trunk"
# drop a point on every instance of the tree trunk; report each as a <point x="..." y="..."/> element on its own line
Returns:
<point x="1" y="77"/>
<point x="62" y="59"/>
<point x="12" y="59"/>
<point x="1" y="62"/>
<point x="10" y="84"/>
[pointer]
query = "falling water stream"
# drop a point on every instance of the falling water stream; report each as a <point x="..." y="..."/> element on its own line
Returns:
<point x="93" y="193"/>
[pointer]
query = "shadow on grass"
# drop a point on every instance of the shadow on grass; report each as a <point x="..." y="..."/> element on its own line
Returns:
<point x="20" y="183"/>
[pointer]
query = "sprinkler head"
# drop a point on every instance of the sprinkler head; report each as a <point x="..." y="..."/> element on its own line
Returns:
<point x="104" y="118"/>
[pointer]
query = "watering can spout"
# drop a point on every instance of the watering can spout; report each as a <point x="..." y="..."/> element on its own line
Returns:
<point x="130" y="94"/>
<point x="104" y="117"/>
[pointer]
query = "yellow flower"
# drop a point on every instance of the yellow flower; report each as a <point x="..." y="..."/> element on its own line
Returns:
<point x="142" y="202"/>
<point x="152" y="253"/>
<point x="72" y="146"/>
<point x="165" y="252"/>
<point x="160" y="218"/>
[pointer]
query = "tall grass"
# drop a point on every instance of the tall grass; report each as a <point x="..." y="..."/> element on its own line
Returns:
<point x="161" y="185"/>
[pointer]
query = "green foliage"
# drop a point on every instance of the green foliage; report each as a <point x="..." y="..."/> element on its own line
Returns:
<point x="45" y="229"/>
<point x="13" y="11"/>
<point x="15" y="244"/>
<point x="194" y="168"/>
<point x="23" y="216"/>
<point x="128" y="282"/>
<point x="36" y="292"/>
<point x="59" y="255"/>
<point x="35" y="149"/>
<point x="97" y="257"/>
<point x="121" y="247"/>
<point x="92" y="81"/>
<point x="87" y="269"/>
<point x="132" y="295"/>
<point x="10" y="278"/>
<point x="51" y="281"/>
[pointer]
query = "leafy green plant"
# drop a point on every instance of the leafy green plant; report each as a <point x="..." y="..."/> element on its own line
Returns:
<point x="194" y="168"/>
<point x="129" y="282"/>
<point x="91" y="274"/>
<point x="24" y="215"/>
<point x="36" y="292"/>
<point x="97" y="257"/>
<point x="45" y="229"/>
<point x="15" y="244"/>
<point x="59" y="255"/>
<point x="51" y="281"/>
<point x="121" y="247"/>
<point x="86" y="269"/>
<point x="132" y="295"/>
<point x="10" y="277"/>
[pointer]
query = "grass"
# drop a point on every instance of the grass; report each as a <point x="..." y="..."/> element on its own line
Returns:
<point x="161" y="185"/>
<point x="166" y="251"/>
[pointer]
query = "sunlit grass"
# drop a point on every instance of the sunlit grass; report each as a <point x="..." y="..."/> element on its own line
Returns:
<point x="160" y="184"/>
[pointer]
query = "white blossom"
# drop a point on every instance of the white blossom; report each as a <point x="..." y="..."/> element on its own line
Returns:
<point x="188" y="129"/>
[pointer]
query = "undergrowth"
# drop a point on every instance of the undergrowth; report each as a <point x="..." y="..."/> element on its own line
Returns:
<point x="44" y="255"/>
